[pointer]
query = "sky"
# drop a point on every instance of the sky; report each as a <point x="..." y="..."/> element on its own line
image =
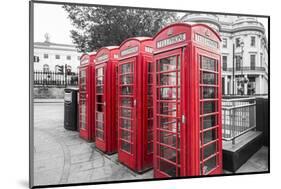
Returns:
<point x="52" y="19"/>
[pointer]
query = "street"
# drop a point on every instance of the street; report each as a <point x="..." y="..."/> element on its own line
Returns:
<point x="62" y="157"/>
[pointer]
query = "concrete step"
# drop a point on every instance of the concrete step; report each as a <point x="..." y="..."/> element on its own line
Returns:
<point x="234" y="156"/>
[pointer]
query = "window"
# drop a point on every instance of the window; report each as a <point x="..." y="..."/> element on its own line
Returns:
<point x="238" y="62"/>
<point x="46" y="56"/>
<point x="46" y="68"/>
<point x="57" y="56"/>
<point x="253" y="61"/>
<point x="224" y="63"/>
<point x="224" y="43"/>
<point x="68" y="57"/>
<point x="237" y="42"/>
<point x="261" y="59"/>
<point x="68" y="69"/>
<point x="253" y="41"/>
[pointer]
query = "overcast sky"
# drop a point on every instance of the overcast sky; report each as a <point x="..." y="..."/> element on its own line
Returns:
<point x="53" y="19"/>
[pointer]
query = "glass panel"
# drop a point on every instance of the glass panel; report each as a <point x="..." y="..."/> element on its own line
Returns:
<point x="208" y="63"/>
<point x="127" y="101"/>
<point x="99" y="72"/>
<point x="126" y="112"/>
<point x="126" y="90"/>
<point x="100" y="89"/>
<point x="168" y="138"/>
<point x="126" y="135"/>
<point x="149" y="89"/>
<point x="126" y="79"/>
<point x="150" y="79"/>
<point x="149" y="101"/>
<point x="99" y="116"/>
<point x="168" y="123"/>
<point x="208" y="107"/>
<point x="209" y="121"/>
<point x="150" y="124"/>
<point x="208" y="92"/>
<point x="149" y="135"/>
<point x="99" y="81"/>
<point x="166" y="64"/>
<point x="209" y="150"/>
<point x="99" y="125"/>
<point x="125" y="123"/>
<point x="167" y="168"/>
<point x="99" y="134"/>
<point x="83" y="114"/>
<point x="208" y="78"/>
<point x="100" y="107"/>
<point x="125" y="146"/>
<point x="168" y="108"/>
<point x="99" y="98"/>
<point x="167" y="153"/>
<point x="150" y="147"/>
<point x="167" y="93"/>
<point x="209" y="165"/>
<point x="209" y="136"/>
<point x="126" y="68"/>
<point x="168" y="78"/>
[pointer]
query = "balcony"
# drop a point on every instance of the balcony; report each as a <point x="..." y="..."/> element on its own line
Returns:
<point x="246" y="68"/>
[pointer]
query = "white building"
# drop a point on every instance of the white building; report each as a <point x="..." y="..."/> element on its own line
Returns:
<point x="245" y="36"/>
<point x="51" y="55"/>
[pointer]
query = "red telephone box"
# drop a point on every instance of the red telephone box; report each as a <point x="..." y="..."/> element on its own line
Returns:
<point x="187" y="101"/>
<point x="86" y="96"/>
<point x="106" y="99"/>
<point x="135" y="117"/>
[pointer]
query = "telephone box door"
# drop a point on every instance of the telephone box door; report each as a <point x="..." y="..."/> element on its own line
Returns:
<point x="127" y="111"/>
<point x="100" y="105"/>
<point x="83" y="104"/>
<point x="208" y="65"/>
<point x="167" y="113"/>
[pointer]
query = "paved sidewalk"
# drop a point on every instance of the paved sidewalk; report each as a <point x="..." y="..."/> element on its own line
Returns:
<point x="62" y="157"/>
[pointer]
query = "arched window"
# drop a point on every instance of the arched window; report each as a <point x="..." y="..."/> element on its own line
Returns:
<point x="46" y="68"/>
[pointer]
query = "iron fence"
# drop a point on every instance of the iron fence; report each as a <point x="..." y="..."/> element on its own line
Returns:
<point x="51" y="78"/>
<point x="238" y="117"/>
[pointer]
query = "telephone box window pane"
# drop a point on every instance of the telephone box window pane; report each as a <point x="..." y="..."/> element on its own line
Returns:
<point x="168" y="123"/>
<point x="126" y="68"/>
<point x="209" y="150"/>
<point x="100" y="107"/>
<point x="99" y="72"/>
<point x="208" y="107"/>
<point x="99" y="125"/>
<point x="126" y="79"/>
<point x="127" y="101"/>
<point x="149" y="113"/>
<point x="149" y="101"/>
<point x="208" y="92"/>
<point x="99" y="98"/>
<point x="209" y="165"/>
<point x="208" y="63"/>
<point x="167" y="168"/>
<point x="149" y="90"/>
<point x="167" y="93"/>
<point x="149" y="136"/>
<point x="126" y="135"/>
<point x="209" y="121"/>
<point x="126" y="112"/>
<point x="168" y="78"/>
<point x="99" y="116"/>
<point x="168" y="138"/>
<point x="168" y="109"/>
<point x="83" y="114"/>
<point x="208" y="78"/>
<point x="126" y="90"/>
<point x="125" y="123"/>
<point x="209" y="136"/>
<point x="167" y="153"/>
<point x="99" y="89"/>
<point x="149" y="147"/>
<point x="150" y="79"/>
<point x="99" y="134"/>
<point x="166" y="64"/>
<point x="149" y="124"/>
<point x="99" y="81"/>
<point x="126" y="146"/>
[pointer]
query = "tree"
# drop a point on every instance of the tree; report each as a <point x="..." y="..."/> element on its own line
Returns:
<point x="96" y="27"/>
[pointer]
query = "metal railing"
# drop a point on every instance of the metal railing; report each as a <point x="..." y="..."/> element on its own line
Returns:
<point x="238" y="117"/>
<point x="55" y="79"/>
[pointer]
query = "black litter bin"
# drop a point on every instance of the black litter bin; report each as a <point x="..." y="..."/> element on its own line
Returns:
<point x="70" y="109"/>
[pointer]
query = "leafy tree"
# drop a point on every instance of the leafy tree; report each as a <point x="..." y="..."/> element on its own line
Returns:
<point x="95" y="27"/>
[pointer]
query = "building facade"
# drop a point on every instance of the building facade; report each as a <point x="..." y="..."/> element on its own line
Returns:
<point x="244" y="50"/>
<point x="52" y="55"/>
